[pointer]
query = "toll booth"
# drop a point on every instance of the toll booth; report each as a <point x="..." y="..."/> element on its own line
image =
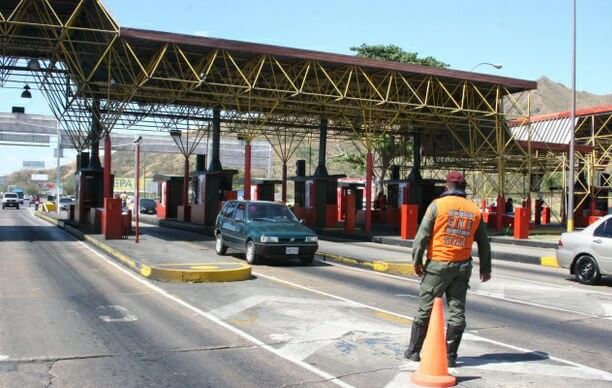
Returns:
<point x="315" y="197"/>
<point x="214" y="188"/>
<point x="171" y="189"/>
<point x="346" y="186"/>
<point x="89" y="190"/>
<point x="197" y="182"/>
<point x="264" y="189"/>
<point x="420" y="193"/>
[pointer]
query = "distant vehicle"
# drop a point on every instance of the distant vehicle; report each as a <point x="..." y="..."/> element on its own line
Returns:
<point x="19" y="193"/>
<point x="263" y="229"/>
<point x="147" y="206"/>
<point x="10" y="200"/>
<point x="588" y="252"/>
<point x="65" y="203"/>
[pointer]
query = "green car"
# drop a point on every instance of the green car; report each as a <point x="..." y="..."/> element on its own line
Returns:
<point x="263" y="229"/>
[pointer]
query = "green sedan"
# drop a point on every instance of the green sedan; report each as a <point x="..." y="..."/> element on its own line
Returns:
<point x="263" y="229"/>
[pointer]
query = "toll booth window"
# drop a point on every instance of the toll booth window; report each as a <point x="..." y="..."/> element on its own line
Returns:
<point x="604" y="230"/>
<point x="239" y="215"/>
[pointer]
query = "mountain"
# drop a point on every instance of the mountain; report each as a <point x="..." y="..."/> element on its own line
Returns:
<point x="551" y="97"/>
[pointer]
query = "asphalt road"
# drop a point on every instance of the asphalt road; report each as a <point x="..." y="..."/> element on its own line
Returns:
<point x="70" y="318"/>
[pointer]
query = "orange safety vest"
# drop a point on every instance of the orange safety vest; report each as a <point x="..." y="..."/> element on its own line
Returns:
<point x="453" y="233"/>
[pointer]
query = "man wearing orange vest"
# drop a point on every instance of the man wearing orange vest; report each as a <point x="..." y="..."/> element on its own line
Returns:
<point x="450" y="225"/>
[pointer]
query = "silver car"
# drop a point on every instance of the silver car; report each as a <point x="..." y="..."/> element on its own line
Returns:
<point x="588" y="252"/>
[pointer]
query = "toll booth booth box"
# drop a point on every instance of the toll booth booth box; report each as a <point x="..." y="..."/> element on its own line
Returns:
<point x="420" y="193"/>
<point x="316" y="197"/>
<point x="592" y="207"/>
<point x="264" y="189"/>
<point x="89" y="190"/>
<point x="212" y="188"/>
<point x="171" y="189"/>
<point x="347" y="186"/>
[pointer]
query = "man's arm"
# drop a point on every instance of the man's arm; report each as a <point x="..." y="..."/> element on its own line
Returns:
<point x="484" y="251"/>
<point x="421" y="239"/>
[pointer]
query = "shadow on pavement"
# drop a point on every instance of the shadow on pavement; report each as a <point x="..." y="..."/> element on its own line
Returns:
<point x="31" y="233"/>
<point x="500" y="358"/>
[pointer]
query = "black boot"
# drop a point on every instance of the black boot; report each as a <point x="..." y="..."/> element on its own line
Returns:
<point x="417" y="337"/>
<point x="453" y="339"/>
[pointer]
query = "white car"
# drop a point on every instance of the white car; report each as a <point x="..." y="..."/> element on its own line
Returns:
<point x="10" y="200"/>
<point x="588" y="252"/>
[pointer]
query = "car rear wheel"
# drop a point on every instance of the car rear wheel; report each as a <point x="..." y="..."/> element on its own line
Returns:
<point x="220" y="248"/>
<point x="587" y="270"/>
<point x="307" y="260"/>
<point x="251" y="256"/>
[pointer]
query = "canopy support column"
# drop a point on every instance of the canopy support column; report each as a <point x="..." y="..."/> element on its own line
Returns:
<point x="284" y="183"/>
<point x="368" y="192"/>
<point x="247" y="170"/>
<point x="108" y="187"/>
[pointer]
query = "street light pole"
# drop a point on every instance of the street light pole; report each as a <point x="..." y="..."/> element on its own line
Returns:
<point x="57" y="171"/>
<point x="137" y="186"/>
<point x="572" y="156"/>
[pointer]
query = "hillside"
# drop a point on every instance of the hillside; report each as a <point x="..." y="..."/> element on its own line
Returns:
<point x="553" y="97"/>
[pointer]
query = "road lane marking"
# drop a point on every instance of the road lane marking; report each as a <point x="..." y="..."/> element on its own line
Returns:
<point x="3" y="357"/>
<point x="480" y="293"/>
<point x="219" y="322"/>
<point x="580" y="369"/>
<point x="116" y="314"/>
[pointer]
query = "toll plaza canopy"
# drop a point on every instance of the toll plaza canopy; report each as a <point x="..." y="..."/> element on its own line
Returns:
<point x="98" y="76"/>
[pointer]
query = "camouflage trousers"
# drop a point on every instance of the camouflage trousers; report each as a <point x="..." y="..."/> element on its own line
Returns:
<point x="444" y="278"/>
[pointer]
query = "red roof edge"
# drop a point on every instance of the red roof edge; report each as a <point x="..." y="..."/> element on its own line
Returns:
<point x="539" y="145"/>
<point x="592" y="110"/>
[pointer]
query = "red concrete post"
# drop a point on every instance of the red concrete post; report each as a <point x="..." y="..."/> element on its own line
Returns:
<point x="284" y="183"/>
<point x="408" y="221"/>
<point x="350" y="213"/>
<point x="368" y="192"/>
<point x="108" y="190"/>
<point x="521" y="223"/>
<point x="186" y="208"/>
<point x="247" y="171"/>
<point x="499" y="215"/>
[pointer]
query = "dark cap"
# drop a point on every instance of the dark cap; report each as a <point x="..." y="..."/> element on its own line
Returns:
<point x="455" y="177"/>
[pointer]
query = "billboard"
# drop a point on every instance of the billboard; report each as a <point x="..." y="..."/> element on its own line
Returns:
<point x="33" y="164"/>
<point x="40" y="177"/>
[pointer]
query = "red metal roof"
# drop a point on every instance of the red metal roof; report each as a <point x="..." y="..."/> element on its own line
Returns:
<point x="592" y="110"/>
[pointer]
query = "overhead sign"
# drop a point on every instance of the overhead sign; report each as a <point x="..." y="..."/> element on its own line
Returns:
<point x="40" y="177"/>
<point x="33" y="164"/>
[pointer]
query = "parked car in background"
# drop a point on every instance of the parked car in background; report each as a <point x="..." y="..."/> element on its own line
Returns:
<point x="587" y="253"/>
<point x="147" y="206"/>
<point x="263" y="229"/>
<point x="65" y="203"/>
<point x="10" y="200"/>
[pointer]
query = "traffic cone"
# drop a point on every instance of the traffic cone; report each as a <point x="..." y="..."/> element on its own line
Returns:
<point x="433" y="369"/>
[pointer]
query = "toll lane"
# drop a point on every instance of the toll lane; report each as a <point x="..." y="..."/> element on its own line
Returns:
<point x="68" y="318"/>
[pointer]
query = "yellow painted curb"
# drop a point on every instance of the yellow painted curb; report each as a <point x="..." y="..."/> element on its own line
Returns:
<point x="243" y="272"/>
<point x="549" y="261"/>
<point x="401" y="269"/>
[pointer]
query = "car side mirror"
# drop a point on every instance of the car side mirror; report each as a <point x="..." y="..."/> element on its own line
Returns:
<point x="301" y="221"/>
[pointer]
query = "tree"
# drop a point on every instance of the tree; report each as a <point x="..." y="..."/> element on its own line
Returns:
<point x="395" y="53"/>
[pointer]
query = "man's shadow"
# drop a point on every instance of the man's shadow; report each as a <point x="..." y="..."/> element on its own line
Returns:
<point x="501" y="358"/>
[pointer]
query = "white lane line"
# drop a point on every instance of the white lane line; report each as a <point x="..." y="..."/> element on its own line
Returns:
<point x="480" y="293"/>
<point x="214" y="319"/>
<point x="592" y="371"/>
<point x="3" y="357"/>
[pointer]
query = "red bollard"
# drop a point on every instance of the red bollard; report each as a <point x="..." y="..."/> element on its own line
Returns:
<point x="409" y="221"/>
<point x="545" y="216"/>
<point x="349" y="219"/>
<point x="521" y="223"/>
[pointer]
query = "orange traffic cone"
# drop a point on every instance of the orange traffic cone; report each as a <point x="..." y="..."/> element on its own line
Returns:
<point x="433" y="369"/>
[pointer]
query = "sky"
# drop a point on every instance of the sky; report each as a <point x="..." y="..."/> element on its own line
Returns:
<point x="530" y="38"/>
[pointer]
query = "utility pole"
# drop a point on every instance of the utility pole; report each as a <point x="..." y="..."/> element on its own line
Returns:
<point x="572" y="152"/>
